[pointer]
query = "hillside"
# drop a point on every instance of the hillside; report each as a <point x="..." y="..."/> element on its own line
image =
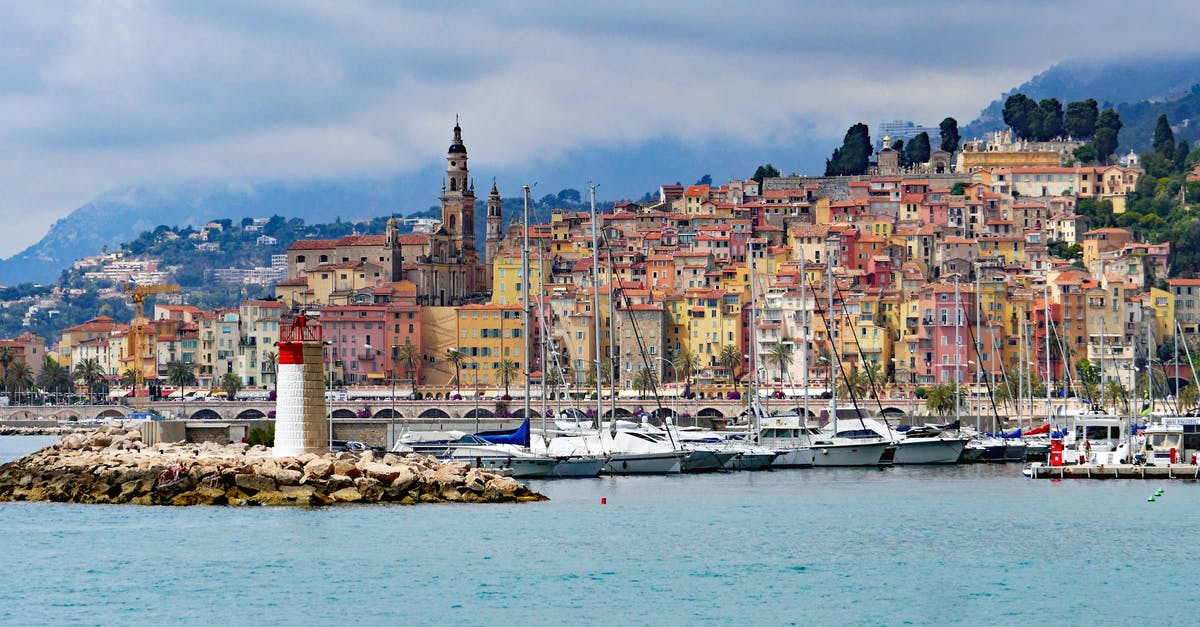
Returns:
<point x="1153" y="80"/>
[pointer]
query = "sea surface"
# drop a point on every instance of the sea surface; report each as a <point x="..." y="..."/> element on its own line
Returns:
<point x="943" y="545"/>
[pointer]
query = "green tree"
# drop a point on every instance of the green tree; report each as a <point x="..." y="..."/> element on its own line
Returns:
<point x="1080" y="119"/>
<point x="948" y="130"/>
<point x="645" y="380"/>
<point x="942" y="398"/>
<point x="1049" y="120"/>
<point x="508" y="371"/>
<point x="129" y="378"/>
<point x="1164" y="138"/>
<point x="7" y="357"/>
<point x="765" y="172"/>
<point x="1085" y="153"/>
<point x="1181" y="155"/>
<point x="958" y="189"/>
<point x="231" y="384"/>
<point x="782" y="356"/>
<point x="687" y="364"/>
<point x="851" y="159"/>
<point x="181" y="374"/>
<point x="54" y="377"/>
<point x="1021" y="115"/>
<point x="410" y="357"/>
<point x="90" y="374"/>
<point x="730" y="359"/>
<point x="1188" y="396"/>
<point x="917" y="150"/>
<point x="1108" y="125"/>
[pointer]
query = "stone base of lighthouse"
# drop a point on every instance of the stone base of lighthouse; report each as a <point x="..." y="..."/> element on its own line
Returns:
<point x="301" y="418"/>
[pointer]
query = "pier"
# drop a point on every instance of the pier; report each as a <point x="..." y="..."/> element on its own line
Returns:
<point x="1039" y="470"/>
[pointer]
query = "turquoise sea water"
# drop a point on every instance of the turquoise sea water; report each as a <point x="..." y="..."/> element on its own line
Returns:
<point x="965" y="545"/>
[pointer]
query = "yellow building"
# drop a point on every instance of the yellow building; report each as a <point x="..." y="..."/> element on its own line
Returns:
<point x="488" y="335"/>
<point x="1164" y="311"/>
<point x="507" y="283"/>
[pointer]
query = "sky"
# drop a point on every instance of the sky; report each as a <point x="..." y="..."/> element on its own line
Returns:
<point x="99" y="96"/>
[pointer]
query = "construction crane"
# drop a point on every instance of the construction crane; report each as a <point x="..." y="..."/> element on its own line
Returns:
<point x="137" y="336"/>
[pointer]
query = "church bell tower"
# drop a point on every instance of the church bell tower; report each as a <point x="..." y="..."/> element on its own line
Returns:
<point x="495" y="225"/>
<point x="458" y="195"/>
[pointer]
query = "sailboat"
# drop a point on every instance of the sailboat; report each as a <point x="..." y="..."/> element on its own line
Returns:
<point x="629" y="450"/>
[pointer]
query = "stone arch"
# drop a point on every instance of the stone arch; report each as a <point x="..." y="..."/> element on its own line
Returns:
<point x="574" y="413"/>
<point x="710" y="412"/>
<point x="68" y="415"/>
<point x="434" y="412"/>
<point x="893" y="412"/>
<point x="621" y="412"/>
<point x="111" y="413"/>
<point x="388" y="413"/>
<point x="344" y="413"/>
<point x="1174" y="384"/>
<point x="477" y="412"/>
<point x="799" y="411"/>
<point x="520" y="413"/>
<point x="206" y="414"/>
<point x="663" y="412"/>
<point x="251" y="414"/>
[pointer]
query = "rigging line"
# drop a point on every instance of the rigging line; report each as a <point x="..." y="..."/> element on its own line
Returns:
<point x="637" y="334"/>
<point x="841" y="367"/>
<point x="990" y="380"/>
<point x="870" y="378"/>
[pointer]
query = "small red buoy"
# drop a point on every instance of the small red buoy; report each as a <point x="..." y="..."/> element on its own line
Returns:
<point x="603" y="500"/>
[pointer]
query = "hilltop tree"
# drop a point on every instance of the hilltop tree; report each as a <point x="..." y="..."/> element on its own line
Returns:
<point x="1049" y="120"/>
<point x="1107" y="127"/>
<point x="851" y="158"/>
<point x="1164" y="138"/>
<point x="1080" y="119"/>
<point x="767" y="171"/>
<point x="917" y="150"/>
<point x="898" y="146"/>
<point x="1021" y="115"/>
<point x="705" y="180"/>
<point x="949" y="134"/>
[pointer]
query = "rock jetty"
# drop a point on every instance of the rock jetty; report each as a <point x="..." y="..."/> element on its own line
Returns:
<point x="114" y="465"/>
<point x="48" y="430"/>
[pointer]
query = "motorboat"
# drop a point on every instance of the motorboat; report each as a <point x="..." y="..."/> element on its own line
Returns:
<point x="928" y="444"/>
<point x="474" y="449"/>
<point x="630" y="451"/>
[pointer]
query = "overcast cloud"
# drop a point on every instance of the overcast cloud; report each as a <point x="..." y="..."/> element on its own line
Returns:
<point x="100" y="95"/>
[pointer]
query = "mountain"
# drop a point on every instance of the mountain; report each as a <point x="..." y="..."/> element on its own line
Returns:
<point x="622" y="171"/>
<point x="1128" y="81"/>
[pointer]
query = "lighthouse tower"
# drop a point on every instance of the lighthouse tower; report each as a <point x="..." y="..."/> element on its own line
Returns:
<point x="300" y="414"/>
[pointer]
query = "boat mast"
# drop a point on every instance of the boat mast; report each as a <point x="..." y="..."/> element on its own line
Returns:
<point x="978" y="341"/>
<point x="596" y="315"/>
<point x="804" y="335"/>
<point x="957" y="352"/>
<point x="754" y="401"/>
<point x="831" y="245"/>
<point x="1049" y="375"/>
<point x="525" y="352"/>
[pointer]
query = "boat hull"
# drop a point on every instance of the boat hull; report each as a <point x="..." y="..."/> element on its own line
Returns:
<point x="839" y="455"/>
<point x="1014" y="452"/>
<point x="794" y="458"/>
<point x="578" y="467"/>
<point x="747" y="460"/>
<point x="644" y="463"/>
<point x="928" y="451"/>
<point x="705" y="461"/>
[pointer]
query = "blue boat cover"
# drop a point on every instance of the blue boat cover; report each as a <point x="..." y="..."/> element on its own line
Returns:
<point x="518" y="436"/>
<point x="1014" y="434"/>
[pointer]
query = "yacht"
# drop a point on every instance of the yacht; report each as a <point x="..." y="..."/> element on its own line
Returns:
<point x="829" y="449"/>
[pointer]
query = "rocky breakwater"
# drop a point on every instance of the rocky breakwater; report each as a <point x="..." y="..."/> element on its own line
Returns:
<point x="48" y="430"/>
<point x="113" y="465"/>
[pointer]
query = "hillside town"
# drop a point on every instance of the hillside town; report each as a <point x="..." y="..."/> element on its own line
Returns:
<point x="908" y="276"/>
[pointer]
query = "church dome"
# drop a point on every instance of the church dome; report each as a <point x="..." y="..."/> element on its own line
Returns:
<point x="457" y="148"/>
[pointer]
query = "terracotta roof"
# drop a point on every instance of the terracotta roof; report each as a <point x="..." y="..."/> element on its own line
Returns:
<point x="312" y="244"/>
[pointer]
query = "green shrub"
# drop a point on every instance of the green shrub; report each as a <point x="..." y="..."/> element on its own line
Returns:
<point x="265" y="437"/>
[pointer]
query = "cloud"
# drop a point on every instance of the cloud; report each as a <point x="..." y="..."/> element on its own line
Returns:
<point x="97" y="96"/>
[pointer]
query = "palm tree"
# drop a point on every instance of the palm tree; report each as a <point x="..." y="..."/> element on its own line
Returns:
<point x="730" y="359"/>
<point x="1114" y="394"/>
<point x="645" y="380"/>
<point x="455" y="356"/>
<point x="855" y="384"/>
<point x="941" y="398"/>
<point x="7" y="357"/>
<point x="508" y="371"/>
<point x="90" y="374"/>
<point x="687" y="363"/>
<point x="181" y="374"/>
<point x="873" y="372"/>
<point x="19" y="377"/>
<point x="231" y="384"/>
<point x="1188" y="396"/>
<point x="605" y="374"/>
<point x="54" y="377"/>
<point x="410" y="358"/>
<point x="129" y="378"/>
<point x="782" y="356"/>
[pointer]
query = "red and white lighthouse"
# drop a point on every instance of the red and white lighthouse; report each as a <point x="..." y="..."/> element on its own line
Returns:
<point x="300" y="415"/>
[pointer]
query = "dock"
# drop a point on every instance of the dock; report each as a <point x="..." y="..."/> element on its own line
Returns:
<point x="1038" y="470"/>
